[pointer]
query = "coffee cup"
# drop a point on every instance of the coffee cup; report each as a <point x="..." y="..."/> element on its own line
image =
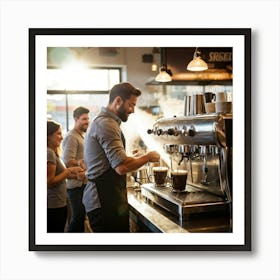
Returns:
<point x="221" y="97"/>
<point x="160" y="175"/>
<point x="223" y="107"/>
<point x="210" y="107"/>
<point x="179" y="179"/>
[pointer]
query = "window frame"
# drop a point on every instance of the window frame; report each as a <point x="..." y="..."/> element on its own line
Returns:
<point x="76" y="92"/>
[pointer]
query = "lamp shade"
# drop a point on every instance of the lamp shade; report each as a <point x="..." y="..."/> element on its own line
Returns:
<point x="163" y="75"/>
<point x="197" y="64"/>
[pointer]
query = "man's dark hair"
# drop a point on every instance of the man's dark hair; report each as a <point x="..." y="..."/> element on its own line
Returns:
<point x="124" y="90"/>
<point x="80" y="111"/>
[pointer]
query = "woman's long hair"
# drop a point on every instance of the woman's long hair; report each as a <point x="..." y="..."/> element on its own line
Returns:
<point x="52" y="127"/>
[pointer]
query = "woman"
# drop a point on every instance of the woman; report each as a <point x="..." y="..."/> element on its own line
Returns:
<point x="56" y="179"/>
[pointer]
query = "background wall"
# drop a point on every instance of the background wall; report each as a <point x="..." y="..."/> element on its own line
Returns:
<point x="138" y="72"/>
<point x="156" y="100"/>
<point x="17" y="262"/>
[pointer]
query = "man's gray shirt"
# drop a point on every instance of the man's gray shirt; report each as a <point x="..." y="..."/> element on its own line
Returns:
<point x="73" y="148"/>
<point x="103" y="149"/>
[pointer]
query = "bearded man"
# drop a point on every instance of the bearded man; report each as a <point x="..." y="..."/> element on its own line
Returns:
<point x="105" y="195"/>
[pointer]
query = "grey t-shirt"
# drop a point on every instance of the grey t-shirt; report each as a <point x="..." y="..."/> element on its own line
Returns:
<point x="57" y="194"/>
<point x="104" y="148"/>
<point x="73" y="148"/>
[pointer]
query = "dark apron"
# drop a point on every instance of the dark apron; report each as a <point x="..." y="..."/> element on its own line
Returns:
<point x="112" y="194"/>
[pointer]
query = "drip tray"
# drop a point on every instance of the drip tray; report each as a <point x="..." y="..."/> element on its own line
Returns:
<point x="182" y="204"/>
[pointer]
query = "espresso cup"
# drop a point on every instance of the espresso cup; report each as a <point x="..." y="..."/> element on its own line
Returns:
<point x="160" y="174"/>
<point x="179" y="179"/>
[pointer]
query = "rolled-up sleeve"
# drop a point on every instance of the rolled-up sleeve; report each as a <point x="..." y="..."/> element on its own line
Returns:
<point x="109" y="137"/>
<point x="70" y="146"/>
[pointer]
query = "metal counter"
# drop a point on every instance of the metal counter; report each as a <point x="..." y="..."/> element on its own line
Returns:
<point x="157" y="219"/>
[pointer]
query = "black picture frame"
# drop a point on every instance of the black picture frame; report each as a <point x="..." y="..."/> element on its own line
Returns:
<point x="34" y="34"/>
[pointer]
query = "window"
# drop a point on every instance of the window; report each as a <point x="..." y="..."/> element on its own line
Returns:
<point x="68" y="89"/>
<point x="96" y="79"/>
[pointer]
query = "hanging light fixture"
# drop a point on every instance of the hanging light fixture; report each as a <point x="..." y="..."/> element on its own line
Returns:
<point x="164" y="74"/>
<point x="197" y="64"/>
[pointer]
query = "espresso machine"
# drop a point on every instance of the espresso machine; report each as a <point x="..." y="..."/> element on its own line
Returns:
<point x="202" y="145"/>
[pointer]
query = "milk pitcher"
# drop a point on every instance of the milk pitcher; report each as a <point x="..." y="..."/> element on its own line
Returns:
<point x="198" y="104"/>
<point x="194" y="105"/>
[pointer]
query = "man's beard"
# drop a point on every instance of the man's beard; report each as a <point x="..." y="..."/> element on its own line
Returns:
<point x="83" y="129"/>
<point x="122" y="113"/>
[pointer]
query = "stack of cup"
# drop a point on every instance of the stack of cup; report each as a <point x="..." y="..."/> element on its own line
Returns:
<point x="222" y="105"/>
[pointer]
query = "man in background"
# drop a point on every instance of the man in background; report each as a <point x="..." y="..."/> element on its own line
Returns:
<point x="73" y="155"/>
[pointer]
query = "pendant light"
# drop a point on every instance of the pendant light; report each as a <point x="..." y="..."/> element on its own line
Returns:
<point x="164" y="74"/>
<point x="197" y="64"/>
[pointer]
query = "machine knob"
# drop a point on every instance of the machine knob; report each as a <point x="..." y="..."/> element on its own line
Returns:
<point x="159" y="132"/>
<point x="171" y="131"/>
<point x="184" y="132"/>
<point x="150" y="131"/>
<point x="191" y="132"/>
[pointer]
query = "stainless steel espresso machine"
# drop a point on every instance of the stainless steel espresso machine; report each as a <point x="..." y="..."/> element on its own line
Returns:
<point x="202" y="145"/>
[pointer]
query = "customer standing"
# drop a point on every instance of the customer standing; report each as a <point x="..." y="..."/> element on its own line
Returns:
<point x="56" y="180"/>
<point x="73" y="155"/>
<point x="105" y="196"/>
